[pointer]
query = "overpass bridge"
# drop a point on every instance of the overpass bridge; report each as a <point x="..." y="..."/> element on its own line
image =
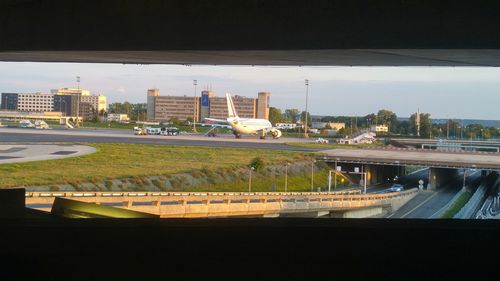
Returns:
<point x="455" y="143"/>
<point x="235" y="204"/>
<point x="379" y="163"/>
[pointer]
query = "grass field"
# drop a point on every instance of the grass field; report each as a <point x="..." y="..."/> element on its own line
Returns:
<point x="128" y="160"/>
<point x="457" y="205"/>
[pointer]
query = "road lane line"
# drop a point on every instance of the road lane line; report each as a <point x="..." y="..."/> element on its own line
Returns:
<point x="419" y="205"/>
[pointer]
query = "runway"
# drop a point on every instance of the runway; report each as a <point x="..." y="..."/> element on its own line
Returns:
<point x="18" y="135"/>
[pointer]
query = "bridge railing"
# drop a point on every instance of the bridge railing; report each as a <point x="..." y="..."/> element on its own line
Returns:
<point x="33" y="197"/>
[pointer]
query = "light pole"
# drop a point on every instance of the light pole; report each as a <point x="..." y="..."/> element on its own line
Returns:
<point x="195" y="83"/>
<point x="465" y="174"/>
<point x="312" y="174"/>
<point x="250" y="179"/>
<point x="307" y="95"/>
<point x="286" y="176"/>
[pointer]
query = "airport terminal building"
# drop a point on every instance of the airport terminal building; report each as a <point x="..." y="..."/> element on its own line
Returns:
<point x="165" y="108"/>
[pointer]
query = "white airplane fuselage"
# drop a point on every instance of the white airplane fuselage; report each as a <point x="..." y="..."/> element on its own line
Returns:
<point x="246" y="126"/>
<point x="249" y="126"/>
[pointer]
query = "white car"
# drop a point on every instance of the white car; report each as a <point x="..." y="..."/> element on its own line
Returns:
<point x="396" y="188"/>
<point x="322" y="140"/>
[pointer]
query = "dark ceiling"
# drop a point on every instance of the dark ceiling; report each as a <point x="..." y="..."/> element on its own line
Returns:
<point x="252" y="32"/>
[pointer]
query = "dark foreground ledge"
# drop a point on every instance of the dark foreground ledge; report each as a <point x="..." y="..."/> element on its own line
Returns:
<point x="242" y="249"/>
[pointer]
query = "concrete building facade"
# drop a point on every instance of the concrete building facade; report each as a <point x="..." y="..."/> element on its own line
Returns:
<point x="69" y="105"/>
<point x="151" y="100"/>
<point x="263" y="105"/>
<point x="179" y="107"/>
<point x="164" y="108"/>
<point x="36" y="102"/>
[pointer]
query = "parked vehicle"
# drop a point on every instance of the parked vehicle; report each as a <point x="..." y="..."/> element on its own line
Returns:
<point x="170" y="131"/>
<point x="139" y="131"/>
<point x="322" y="141"/>
<point x="26" y="124"/>
<point x="41" y="125"/>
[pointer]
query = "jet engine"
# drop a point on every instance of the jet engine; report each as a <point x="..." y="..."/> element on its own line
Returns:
<point x="276" y="133"/>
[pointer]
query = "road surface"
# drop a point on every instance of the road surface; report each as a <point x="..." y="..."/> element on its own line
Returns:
<point x="12" y="135"/>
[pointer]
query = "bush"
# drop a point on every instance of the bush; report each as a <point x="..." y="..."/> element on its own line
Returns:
<point x="257" y="164"/>
<point x="157" y="183"/>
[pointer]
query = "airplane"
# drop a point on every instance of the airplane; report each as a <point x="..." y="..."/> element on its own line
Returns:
<point x="246" y="126"/>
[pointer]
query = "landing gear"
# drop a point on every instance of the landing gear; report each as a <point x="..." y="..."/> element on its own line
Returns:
<point x="262" y="137"/>
<point x="236" y="135"/>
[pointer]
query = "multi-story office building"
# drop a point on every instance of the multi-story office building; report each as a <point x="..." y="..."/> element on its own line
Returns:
<point x="90" y="106"/>
<point x="71" y="102"/>
<point x="164" y="108"/>
<point x="9" y="101"/>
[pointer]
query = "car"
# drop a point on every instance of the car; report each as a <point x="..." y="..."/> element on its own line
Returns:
<point x="170" y="131"/>
<point x="396" y="188"/>
<point x="322" y="140"/>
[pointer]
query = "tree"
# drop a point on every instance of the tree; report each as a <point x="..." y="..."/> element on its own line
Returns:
<point x="257" y="163"/>
<point x="303" y="117"/>
<point x="425" y="125"/>
<point x="292" y="115"/>
<point x="275" y="115"/>
<point x="388" y="118"/>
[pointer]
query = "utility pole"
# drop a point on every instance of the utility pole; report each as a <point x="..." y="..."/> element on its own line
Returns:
<point x="306" y="135"/>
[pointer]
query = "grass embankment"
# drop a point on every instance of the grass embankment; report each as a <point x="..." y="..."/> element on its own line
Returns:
<point x="112" y="161"/>
<point x="457" y="205"/>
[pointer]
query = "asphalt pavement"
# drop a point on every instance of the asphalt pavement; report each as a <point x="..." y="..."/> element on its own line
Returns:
<point x="8" y="135"/>
<point x="426" y="203"/>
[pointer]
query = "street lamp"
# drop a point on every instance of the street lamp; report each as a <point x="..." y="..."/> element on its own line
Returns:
<point x="195" y="83"/>
<point x="307" y="94"/>
<point x="250" y="179"/>
<point x="312" y="174"/>
<point x="286" y="176"/>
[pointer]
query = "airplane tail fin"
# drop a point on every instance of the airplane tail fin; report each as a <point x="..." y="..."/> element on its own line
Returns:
<point x="231" y="110"/>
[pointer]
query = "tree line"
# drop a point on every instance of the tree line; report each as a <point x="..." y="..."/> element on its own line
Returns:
<point x="396" y="126"/>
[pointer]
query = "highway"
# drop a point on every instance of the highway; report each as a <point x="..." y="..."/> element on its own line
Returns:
<point x="427" y="203"/>
<point x="12" y="135"/>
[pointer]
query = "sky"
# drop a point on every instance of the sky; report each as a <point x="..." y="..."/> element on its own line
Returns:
<point x="444" y="92"/>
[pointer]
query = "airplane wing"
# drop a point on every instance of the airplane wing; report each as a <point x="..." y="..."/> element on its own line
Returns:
<point x="218" y="121"/>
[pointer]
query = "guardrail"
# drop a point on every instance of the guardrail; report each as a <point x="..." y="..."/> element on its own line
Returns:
<point x="142" y="194"/>
<point x="204" y="204"/>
